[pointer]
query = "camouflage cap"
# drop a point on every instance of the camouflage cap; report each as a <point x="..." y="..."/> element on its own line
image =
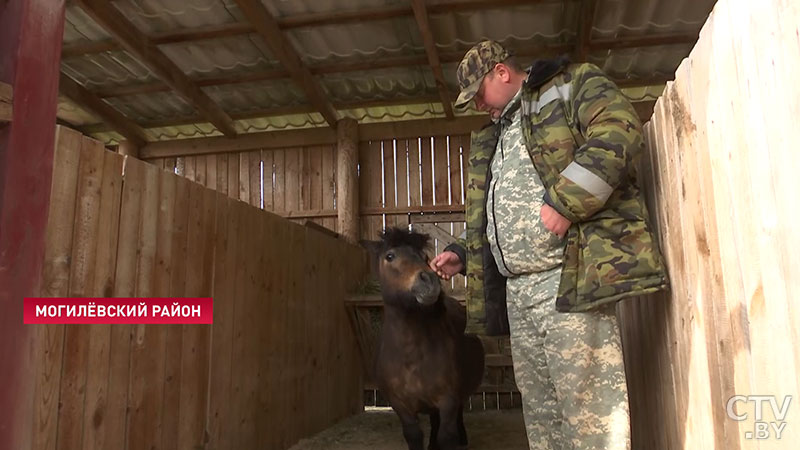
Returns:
<point x="477" y="62"/>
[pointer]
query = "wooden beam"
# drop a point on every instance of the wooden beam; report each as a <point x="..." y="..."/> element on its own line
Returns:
<point x="6" y="102"/>
<point x="244" y="142"/>
<point x="31" y="32"/>
<point x="347" y="179"/>
<point x="588" y="9"/>
<point x="282" y="49"/>
<point x="423" y="23"/>
<point x="310" y="137"/>
<point x="109" y="115"/>
<point x="108" y="17"/>
<point x="271" y="112"/>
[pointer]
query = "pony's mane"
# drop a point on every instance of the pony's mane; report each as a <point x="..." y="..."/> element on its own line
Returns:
<point x="399" y="237"/>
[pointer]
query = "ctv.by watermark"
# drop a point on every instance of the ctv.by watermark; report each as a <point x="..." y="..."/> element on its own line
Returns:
<point x="762" y="429"/>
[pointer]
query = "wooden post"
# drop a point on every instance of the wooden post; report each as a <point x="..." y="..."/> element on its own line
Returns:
<point x="31" y="32"/>
<point x="347" y="179"/>
<point x="128" y="148"/>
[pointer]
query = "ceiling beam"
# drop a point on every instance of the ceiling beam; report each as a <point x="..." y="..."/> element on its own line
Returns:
<point x="306" y="109"/>
<point x="588" y="10"/>
<point x="423" y="23"/>
<point x="300" y="21"/>
<point x="115" y="119"/>
<point x="272" y="112"/>
<point x="282" y="49"/>
<point x="135" y="43"/>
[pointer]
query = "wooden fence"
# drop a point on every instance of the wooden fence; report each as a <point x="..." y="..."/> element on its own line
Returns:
<point x="398" y="178"/>
<point x="723" y="180"/>
<point x="280" y="361"/>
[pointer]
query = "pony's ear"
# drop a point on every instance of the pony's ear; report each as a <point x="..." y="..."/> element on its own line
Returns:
<point x="373" y="252"/>
<point x="372" y="247"/>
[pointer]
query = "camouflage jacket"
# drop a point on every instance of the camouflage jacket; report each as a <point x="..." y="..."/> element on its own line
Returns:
<point x="584" y="139"/>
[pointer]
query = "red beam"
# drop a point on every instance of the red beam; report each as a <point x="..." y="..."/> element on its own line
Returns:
<point x="30" y="54"/>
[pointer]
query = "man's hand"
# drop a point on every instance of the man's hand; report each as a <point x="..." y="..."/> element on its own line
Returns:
<point x="554" y="221"/>
<point x="446" y="264"/>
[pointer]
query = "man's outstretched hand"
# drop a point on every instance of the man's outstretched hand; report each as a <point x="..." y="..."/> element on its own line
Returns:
<point x="446" y="264"/>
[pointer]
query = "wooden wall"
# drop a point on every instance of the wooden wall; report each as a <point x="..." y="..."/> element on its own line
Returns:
<point x="397" y="178"/>
<point x="722" y="178"/>
<point x="280" y="361"/>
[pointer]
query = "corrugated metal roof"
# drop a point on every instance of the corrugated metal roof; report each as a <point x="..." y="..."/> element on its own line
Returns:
<point x="546" y="23"/>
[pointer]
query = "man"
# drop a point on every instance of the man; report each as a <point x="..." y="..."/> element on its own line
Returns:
<point x="557" y="233"/>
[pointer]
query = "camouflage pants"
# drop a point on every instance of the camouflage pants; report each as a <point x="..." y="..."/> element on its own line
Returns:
<point x="569" y="369"/>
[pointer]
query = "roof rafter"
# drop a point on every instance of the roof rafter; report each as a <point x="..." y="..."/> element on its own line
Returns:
<point x="423" y="23"/>
<point x="108" y="17"/>
<point x="118" y="122"/>
<point x="281" y="48"/>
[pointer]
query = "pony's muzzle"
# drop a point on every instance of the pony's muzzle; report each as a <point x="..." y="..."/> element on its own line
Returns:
<point x="427" y="288"/>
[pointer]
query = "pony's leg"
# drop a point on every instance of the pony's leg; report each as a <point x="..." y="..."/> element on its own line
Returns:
<point x="412" y="431"/>
<point x="462" y="430"/>
<point x="448" y="437"/>
<point x="433" y="445"/>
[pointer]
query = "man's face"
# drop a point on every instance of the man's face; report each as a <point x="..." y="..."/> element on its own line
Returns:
<point x="492" y="96"/>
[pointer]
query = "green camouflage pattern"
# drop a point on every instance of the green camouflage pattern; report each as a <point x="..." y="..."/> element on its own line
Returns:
<point x="475" y="64"/>
<point x="568" y="368"/>
<point x="610" y="250"/>
<point x="514" y="227"/>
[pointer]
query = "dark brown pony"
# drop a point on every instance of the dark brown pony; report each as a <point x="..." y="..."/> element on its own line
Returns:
<point x="425" y="362"/>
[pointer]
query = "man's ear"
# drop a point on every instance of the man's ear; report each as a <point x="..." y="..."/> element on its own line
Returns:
<point x="503" y="71"/>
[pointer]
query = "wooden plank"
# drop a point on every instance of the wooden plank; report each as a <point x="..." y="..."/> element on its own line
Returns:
<point x="189" y="167"/>
<point x="222" y="174"/>
<point x="244" y="177"/>
<point x="466" y="141"/>
<point x="414" y="168"/>
<point x="174" y="333"/>
<point x="427" y="171"/>
<point x="220" y="407"/>
<point x="120" y="123"/>
<point x="233" y="176"/>
<point x="279" y="189"/>
<point x="148" y="344"/>
<point x="441" y="171"/>
<point x="134" y="42"/>
<point x="329" y="177"/>
<point x="387" y="149"/>
<point x="94" y="432"/>
<point x="428" y="41"/>
<point x="169" y="164"/>
<point x="315" y="177"/>
<point x="245" y="142"/>
<point x="456" y="190"/>
<point x="124" y="286"/>
<point x="200" y="169"/>
<point x="211" y="172"/>
<point x="266" y="336"/>
<point x="255" y="178"/>
<point x="195" y="351"/>
<point x="80" y="351"/>
<point x="267" y="187"/>
<point x="292" y="178"/>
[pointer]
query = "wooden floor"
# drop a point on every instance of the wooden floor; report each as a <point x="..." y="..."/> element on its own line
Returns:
<point x="487" y="430"/>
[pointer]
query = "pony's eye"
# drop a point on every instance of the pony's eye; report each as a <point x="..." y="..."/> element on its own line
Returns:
<point x="389" y="256"/>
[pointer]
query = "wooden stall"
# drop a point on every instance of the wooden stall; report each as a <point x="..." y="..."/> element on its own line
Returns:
<point x="722" y="179"/>
<point x="279" y="362"/>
